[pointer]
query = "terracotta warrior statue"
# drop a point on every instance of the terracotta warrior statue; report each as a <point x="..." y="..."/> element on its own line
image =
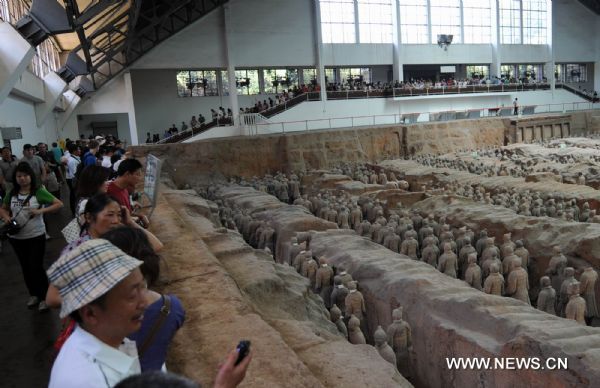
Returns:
<point x="384" y="350"/>
<point x="463" y="256"/>
<point x="510" y="261"/>
<point x="556" y="267"/>
<point x="588" y="280"/>
<point x="518" y="283"/>
<point x="410" y="247"/>
<point x="576" y="308"/>
<point x="430" y="253"/>
<point x="473" y="272"/>
<point x="447" y="262"/>
<point x="569" y="276"/>
<point x="336" y="317"/>
<point x="547" y="296"/>
<point x="355" y="302"/>
<point x="400" y="339"/>
<point x="494" y="283"/>
<point x="507" y="243"/>
<point x="324" y="281"/>
<point x="344" y="275"/>
<point x="523" y="253"/>
<point x="355" y="335"/>
<point x="339" y="293"/>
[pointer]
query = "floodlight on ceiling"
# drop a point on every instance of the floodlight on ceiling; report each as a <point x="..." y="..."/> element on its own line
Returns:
<point x="45" y="18"/>
<point x="444" y="41"/>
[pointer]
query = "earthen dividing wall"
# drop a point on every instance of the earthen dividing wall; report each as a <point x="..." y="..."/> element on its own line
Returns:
<point x="249" y="156"/>
<point x="449" y="318"/>
<point x="299" y="151"/>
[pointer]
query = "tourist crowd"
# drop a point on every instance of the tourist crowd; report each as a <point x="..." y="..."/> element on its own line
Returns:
<point x="114" y="324"/>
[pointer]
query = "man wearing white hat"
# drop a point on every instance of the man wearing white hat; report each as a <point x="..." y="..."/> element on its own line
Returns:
<point x="102" y="289"/>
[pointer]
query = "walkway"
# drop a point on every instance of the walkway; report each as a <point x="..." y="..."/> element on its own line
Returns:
<point x="26" y="336"/>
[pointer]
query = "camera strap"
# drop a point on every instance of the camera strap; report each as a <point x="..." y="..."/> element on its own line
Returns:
<point x="24" y="202"/>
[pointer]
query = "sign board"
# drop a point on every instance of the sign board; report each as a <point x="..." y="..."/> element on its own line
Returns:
<point x="475" y="154"/>
<point x="152" y="177"/>
<point x="562" y="145"/>
<point x="11" y="133"/>
<point x="447" y="69"/>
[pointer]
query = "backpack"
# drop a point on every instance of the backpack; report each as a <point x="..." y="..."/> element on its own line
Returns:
<point x="78" y="171"/>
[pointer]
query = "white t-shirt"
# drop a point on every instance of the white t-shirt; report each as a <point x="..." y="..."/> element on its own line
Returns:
<point x="72" y="164"/>
<point x="30" y="226"/>
<point x="85" y="361"/>
<point x="106" y="161"/>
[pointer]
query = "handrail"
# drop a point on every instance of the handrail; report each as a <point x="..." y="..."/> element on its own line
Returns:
<point x="184" y="135"/>
<point x="577" y="92"/>
<point x="421" y="117"/>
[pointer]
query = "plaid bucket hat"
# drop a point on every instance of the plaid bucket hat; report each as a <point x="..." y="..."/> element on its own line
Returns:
<point x="88" y="272"/>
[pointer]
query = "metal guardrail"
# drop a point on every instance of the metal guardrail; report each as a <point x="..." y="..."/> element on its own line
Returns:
<point x="418" y="117"/>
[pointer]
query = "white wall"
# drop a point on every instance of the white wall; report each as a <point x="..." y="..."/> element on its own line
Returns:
<point x="18" y="112"/>
<point x="111" y="99"/>
<point x="84" y="124"/>
<point x="574" y="32"/>
<point x="264" y="33"/>
<point x="338" y="109"/>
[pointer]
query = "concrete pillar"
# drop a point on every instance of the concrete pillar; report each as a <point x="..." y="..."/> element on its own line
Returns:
<point x="398" y="70"/>
<point x="71" y="101"/>
<point x="54" y="87"/>
<point x="319" y="52"/>
<point x="15" y="54"/>
<point x="549" y="66"/>
<point x="597" y="76"/>
<point x="261" y="81"/>
<point x="233" y="98"/>
<point x="131" y="109"/>
<point x="496" y="54"/>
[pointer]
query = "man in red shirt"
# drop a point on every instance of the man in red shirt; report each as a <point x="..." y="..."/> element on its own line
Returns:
<point x="129" y="175"/>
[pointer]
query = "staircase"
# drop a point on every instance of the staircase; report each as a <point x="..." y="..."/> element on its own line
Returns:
<point x="579" y="93"/>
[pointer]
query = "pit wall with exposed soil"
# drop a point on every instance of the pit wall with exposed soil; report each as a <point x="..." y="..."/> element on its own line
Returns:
<point x="231" y="292"/>
<point x="259" y="155"/>
<point x="448" y="318"/>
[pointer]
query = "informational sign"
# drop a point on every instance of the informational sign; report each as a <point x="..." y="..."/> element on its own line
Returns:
<point x="152" y="177"/>
<point x="447" y="69"/>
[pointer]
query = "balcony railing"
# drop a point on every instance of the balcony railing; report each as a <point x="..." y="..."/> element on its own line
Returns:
<point x="420" y="117"/>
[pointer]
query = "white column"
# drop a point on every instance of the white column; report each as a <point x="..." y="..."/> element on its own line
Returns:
<point x="15" y="55"/>
<point x="551" y="64"/>
<point x="397" y="40"/>
<point x="133" y="132"/>
<point x="429" y="21"/>
<point x="496" y="51"/>
<point x="71" y="101"/>
<point x="233" y="98"/>
<point x="356" y="26"/>
<point x="54" y="87"/>
<point x="319" y="52"/>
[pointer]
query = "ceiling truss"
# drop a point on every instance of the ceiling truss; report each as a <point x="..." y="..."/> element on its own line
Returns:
<point x="113" y="34"/>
